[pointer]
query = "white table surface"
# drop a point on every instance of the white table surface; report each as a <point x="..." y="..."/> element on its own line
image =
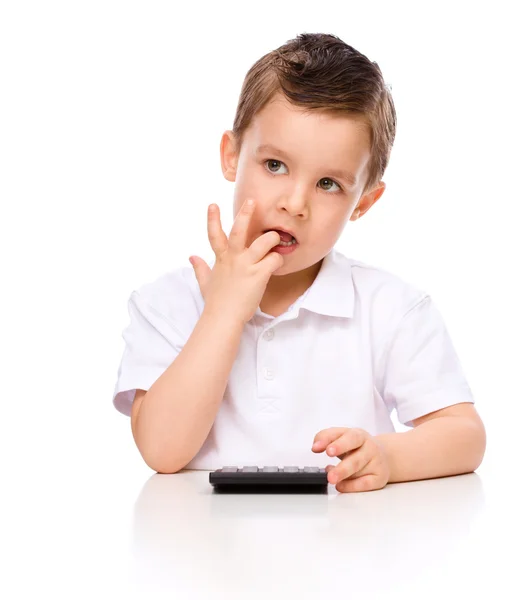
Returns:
<point x="107" y="530"/>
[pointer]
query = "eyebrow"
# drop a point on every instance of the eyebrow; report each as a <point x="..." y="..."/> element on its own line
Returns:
<point x="345" y="175"/>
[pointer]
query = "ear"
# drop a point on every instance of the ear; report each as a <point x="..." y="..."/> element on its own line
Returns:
<point x="229" y="155"/>
<point x="367" y="200"/>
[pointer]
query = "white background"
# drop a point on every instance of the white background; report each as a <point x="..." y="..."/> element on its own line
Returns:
<point x="111" y="115"/>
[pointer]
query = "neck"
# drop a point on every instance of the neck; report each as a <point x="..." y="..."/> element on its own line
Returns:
<point x="291" y="286"/>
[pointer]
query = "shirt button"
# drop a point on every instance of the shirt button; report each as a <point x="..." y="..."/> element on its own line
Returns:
<point x="268" y="374"/>
<point x="269" y="334"/>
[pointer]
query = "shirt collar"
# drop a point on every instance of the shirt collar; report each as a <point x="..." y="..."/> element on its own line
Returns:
<point x="332" y="293"/>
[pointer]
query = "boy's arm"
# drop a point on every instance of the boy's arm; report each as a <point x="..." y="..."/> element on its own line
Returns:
<point x="172" y="420"/>
<point x="450" y="441"/>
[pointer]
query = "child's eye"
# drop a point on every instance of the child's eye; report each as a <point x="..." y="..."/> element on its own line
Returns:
<point x="272" y="160"/>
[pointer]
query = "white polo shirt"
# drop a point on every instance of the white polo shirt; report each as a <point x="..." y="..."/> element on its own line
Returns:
<point x="359" y="343"/>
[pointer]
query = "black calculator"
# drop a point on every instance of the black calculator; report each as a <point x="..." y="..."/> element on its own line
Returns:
<point x="269" y="479"/>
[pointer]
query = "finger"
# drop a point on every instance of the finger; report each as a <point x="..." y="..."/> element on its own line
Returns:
<point x="367" y="483"/>
<point x="238" y="234"/>
<point x="355" y="461"/>
<point x="366" y="470"/>
<point x="349" y="441"/>
<point x="215" y="233"/>
<point x="377" y="466"/>
<point x="271" y="263"/>
<point x="339" y="440"/>
<point x="327" y="436"/>
<point x="264" y="244"/>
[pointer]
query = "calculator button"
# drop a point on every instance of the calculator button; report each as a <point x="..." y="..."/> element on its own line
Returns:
<point x="249" y="469"/>
<point x="229" y="469"/>
<point x="270" y="470"/>
<point x="290" y="469"/>
<point x="310" y="469"/>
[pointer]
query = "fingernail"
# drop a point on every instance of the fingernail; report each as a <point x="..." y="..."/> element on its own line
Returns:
<point x="317" y="445"/>
<point x="250" y="202"/>
<point x="331" y="450"/>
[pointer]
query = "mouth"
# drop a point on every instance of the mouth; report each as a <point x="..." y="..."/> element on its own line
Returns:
<point x="286" y="237"/>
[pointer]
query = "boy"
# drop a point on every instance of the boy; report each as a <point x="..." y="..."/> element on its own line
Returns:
<point x="285" y="348"/>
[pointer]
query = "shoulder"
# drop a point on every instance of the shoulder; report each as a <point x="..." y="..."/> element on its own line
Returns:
<point x="174" y="296"/>
<point x="385" y="293"/>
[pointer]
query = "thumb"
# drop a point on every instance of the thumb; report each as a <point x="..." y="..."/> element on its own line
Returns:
<point x="202" y="271"/>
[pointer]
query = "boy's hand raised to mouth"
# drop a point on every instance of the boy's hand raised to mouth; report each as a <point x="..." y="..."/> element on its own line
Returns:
<point x="364" y="464"/>
<point x="235" y="286"/>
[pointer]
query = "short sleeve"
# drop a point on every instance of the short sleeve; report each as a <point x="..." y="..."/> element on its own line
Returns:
<point x="152" y="342"/>
<point x="422" y="371"/>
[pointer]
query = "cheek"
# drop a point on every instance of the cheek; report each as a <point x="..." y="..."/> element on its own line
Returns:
<point x="331" y="225"/>
<point x="252" y="182"/>
<point x="329" y="232"/>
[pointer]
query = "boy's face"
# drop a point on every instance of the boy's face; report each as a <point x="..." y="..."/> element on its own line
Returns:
<point x="299" y="190"/>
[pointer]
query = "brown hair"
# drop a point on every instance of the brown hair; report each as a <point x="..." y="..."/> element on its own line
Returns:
<point x="320" y="72"/>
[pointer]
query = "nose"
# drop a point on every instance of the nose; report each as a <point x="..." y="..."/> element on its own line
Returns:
<point x="294" y="201"/>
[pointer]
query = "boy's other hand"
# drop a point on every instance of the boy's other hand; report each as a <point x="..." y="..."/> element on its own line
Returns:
<point x="363" y="463"/>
